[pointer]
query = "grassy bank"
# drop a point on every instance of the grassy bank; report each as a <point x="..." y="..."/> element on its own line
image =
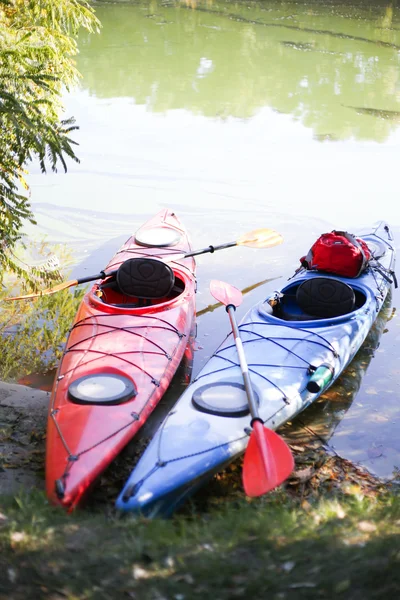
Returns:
<point x="332" y="532"/>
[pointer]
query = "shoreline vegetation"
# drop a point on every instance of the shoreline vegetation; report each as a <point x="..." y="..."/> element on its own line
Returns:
<point x="331" y="530"/>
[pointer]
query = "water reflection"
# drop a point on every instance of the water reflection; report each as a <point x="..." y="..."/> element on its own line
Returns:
<point x="219" y="59"/>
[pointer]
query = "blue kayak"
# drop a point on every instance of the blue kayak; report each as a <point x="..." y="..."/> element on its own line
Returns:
<point x="297" y="343"/>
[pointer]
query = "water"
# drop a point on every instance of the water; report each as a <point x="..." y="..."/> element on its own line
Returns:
<point x="242" y="115"/>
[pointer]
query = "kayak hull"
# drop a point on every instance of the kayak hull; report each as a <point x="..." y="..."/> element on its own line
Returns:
<point x="140" y="345"/>
<point x="209" y="426"/>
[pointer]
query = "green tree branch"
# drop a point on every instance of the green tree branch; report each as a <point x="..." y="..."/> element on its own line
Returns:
<point x="37" y="49"/>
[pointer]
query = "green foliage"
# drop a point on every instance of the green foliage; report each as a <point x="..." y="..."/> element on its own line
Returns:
<point x="33" y="338"/>
<point x="37" y="46"/>
<point x="33" y="333"/>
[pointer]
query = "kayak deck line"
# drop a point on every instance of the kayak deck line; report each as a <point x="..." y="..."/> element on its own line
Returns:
<point x="73" y="458"/>
<point x="129" y="329"/>
<point x="310" y="368"/>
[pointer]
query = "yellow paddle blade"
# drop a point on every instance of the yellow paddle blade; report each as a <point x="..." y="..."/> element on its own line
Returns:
<point x="48" y="292"/>
<point x="260" y="238"/>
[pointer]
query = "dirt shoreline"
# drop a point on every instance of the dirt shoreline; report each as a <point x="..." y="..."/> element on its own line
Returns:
<point x="23" y="418"/>
<point x="23" y="415"/>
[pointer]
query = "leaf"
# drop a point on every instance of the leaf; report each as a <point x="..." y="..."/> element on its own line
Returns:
<point x="139" y="573"/>
<point x="342" y="586"/>
<point x="288" y="566"/>
<point x="304" y="474"/>
<point x="366" y="526"/>
<point x="297" y="448"/>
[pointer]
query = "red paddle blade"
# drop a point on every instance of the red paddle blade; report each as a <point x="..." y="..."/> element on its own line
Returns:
<point x="226" y="293"/>
<point x="267" y="463"/>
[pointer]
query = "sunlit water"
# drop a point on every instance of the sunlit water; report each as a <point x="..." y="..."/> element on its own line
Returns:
<point x="241" y="115"/>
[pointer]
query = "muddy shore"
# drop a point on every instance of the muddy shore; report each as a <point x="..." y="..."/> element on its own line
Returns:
<point x="23" y="415"/>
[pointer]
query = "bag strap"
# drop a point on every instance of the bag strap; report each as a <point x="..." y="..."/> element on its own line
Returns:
<point x="306" y="261"/>
<point x="353" y="240"/>
<point x="387" y="274"/>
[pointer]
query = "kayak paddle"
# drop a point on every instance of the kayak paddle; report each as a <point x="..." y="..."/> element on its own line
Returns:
<point x="268" y="460"/>
<point x="258" y="238"/>
<point x="246" y="290"/>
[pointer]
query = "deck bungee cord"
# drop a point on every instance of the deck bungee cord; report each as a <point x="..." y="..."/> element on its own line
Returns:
<point x="129" y="329"/>
<point x="95" y="321"/>
<point x="274" y="339"/>
<point x="235" y="364"/>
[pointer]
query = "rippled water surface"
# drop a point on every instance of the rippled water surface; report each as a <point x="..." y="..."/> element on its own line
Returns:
<point x="241" y="115"/>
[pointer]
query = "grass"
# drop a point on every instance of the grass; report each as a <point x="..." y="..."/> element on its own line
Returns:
<point x="344" y="544"/>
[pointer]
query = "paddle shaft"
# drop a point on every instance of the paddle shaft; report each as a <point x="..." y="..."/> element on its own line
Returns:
<point x="230" y="309"/>
<point x="211" y="249"/>
<point x="104" y="274"/>
<point x="268" y="460"/>
<point x="101" y="275"/>
<point x="256" y="239"/>
<point x="256" y="422"/>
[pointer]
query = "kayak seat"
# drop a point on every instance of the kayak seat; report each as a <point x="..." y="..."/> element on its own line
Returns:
<point x="141" y="282"/>
<point x="324" y="297"/>
<point x="145" y="278"/>
<point x="287" y="309"/>
<point x="307" y="304"/>
<point x="177" y="289"/>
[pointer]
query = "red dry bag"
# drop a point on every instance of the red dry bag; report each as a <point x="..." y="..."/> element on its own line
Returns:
<point x="338" y="252"/>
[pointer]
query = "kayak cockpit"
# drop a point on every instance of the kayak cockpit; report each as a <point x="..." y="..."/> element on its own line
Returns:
<point x="112" y="295"/>
<point x="140" y="282"/>
<point x="313" y="299"/>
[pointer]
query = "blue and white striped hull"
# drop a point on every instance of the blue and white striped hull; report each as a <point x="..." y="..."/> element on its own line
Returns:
<point x="192" y="445"/>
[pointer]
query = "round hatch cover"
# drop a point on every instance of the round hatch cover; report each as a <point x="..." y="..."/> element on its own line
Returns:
<point x="226" y="399"/>
<point x="101" y="388"/>
<point x="157" y="237"/>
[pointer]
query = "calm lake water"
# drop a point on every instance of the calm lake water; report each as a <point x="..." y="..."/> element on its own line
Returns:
<point x="241" y="115"/>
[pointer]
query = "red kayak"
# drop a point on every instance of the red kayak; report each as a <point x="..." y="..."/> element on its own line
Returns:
<point x="128" y="338"/>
